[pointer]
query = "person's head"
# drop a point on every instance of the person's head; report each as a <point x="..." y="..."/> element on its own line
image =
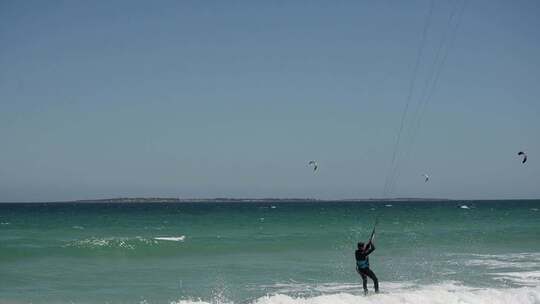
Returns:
<point x="360" y="245"/>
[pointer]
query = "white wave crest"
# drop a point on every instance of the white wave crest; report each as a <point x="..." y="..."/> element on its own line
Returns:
<point x="530" y="278"/>
<point x="436" y="294"/>
<point x="171" y="238"/>
<point x="525" y="260"/>
<point x="298" y="288"/>
<point x="111" y="242"/>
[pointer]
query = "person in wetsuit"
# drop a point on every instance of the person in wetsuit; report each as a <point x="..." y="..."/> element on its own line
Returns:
<point x="362" y="265"/>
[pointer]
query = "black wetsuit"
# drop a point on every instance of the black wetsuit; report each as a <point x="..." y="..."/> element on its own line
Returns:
<point x="362" y="267"/>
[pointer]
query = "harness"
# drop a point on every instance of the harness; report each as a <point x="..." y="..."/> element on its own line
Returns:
<point x="363" y="264"/>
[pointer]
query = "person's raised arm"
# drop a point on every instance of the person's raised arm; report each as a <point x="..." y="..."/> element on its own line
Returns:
<point x="370" y="248"/>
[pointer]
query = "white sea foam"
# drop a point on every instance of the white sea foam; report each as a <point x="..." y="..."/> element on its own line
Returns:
<point x="111" y="242"/>
<point x="434" y="294"/>
<point x="530" y="278"/>
<point x="525" y="260"/>
<point x="517" y="268"/>
<point x="171" y="238"/>
<point x="520" y="255"/>
<point x="297" y="288"/>
<point x="497" y="264"/>
<point x="464" y="207"/>
<point x="154" y="228"/>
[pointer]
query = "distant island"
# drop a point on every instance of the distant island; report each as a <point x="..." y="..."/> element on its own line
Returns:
<point x="246" y="200"/>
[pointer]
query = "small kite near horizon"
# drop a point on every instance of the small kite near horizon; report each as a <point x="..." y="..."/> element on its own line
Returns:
<point x="426" y="178"/>
<point x="521" y="153"/>
<point x="314" y="164"/>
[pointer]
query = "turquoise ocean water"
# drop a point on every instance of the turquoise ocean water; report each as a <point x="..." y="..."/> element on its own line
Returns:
<point x="269" y="252"/>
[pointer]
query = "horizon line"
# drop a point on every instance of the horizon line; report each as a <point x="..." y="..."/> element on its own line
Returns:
<point x="247" y="199"/>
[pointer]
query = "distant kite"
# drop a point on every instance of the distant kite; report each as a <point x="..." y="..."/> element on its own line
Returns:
<point x="314" y="164"/>
<point x="426" y="177"/>
<point x="524" y="156"/>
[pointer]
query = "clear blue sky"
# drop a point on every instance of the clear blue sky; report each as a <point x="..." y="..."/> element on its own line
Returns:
<point x="232" y="98"/>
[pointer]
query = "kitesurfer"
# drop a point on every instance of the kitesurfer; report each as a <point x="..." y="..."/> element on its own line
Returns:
<point x="362" y="265"/>
<point x="524" y="155"/>
<point x="314" y="164"/>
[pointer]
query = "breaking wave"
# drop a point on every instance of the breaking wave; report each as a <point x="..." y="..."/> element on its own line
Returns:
<point x="129" y="243"/>
<point x="111" y="242"/>
<point x="171" y="238"/>
<point x="448" y="293"/>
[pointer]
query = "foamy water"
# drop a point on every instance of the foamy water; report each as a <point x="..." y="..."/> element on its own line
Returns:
<point x="171" y="238"/>
<point x="433" y="294"/>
